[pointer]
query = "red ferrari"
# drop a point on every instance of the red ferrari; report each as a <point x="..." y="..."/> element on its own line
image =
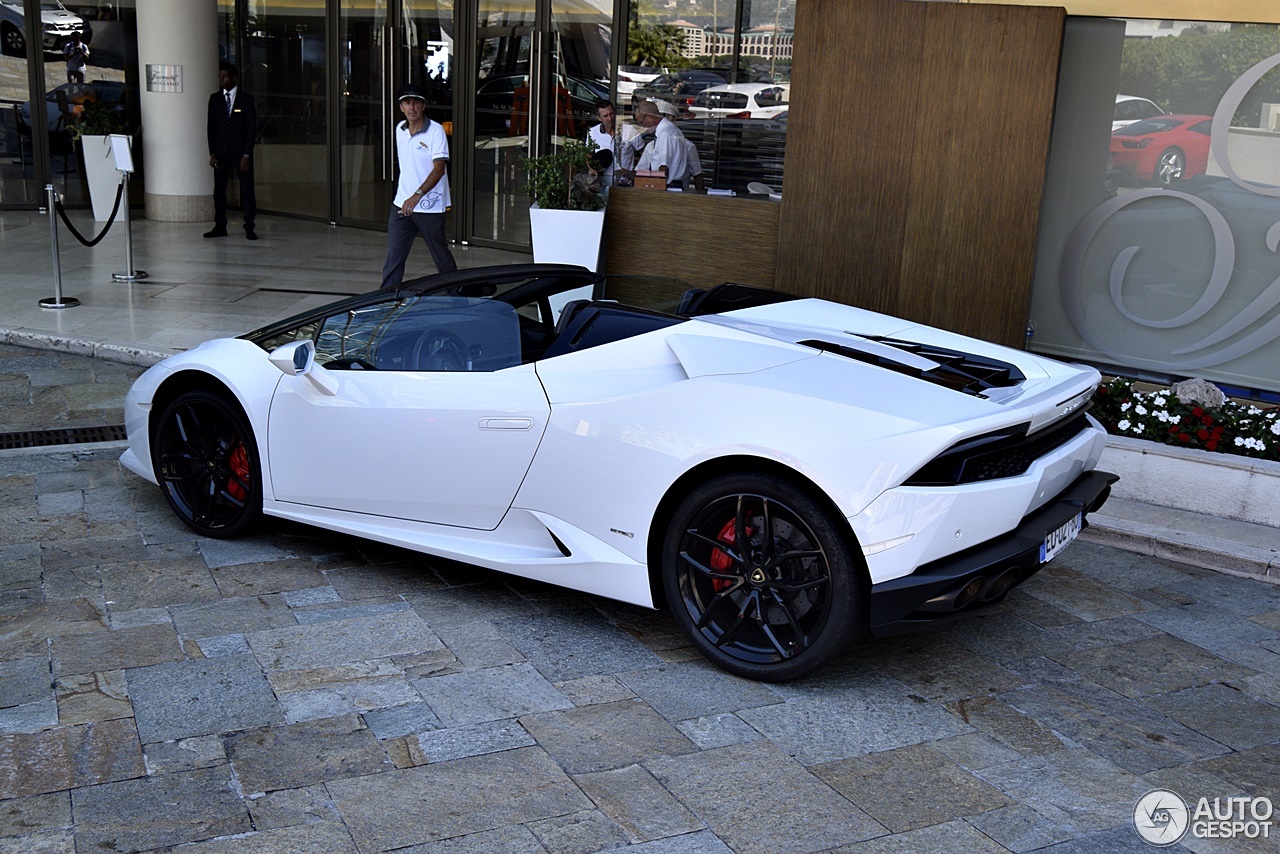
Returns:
<point x="1162" y="149"/>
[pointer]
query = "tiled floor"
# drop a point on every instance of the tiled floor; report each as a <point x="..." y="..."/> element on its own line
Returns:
<point x="196" y="288"/>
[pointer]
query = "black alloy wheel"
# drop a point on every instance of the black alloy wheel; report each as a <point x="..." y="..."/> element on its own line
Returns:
<point x="760" y="578"/>
<point x="207" y="463"/>
<point x="13" y="41"/>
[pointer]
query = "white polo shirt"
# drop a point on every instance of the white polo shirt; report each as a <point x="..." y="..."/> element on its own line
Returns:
<point x="417" y="155"/>
<point x="667" y="149"/>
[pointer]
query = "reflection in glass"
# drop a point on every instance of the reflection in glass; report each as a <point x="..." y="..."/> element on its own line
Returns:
<point x="284" y="69"/>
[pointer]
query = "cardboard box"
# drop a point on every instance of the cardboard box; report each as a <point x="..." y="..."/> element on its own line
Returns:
<point x="646" y="180"/>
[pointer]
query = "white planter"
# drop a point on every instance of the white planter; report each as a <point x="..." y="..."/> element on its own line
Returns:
<point x="101" y="173"/>
<point x="1198" y="481"/>
<point x="567" y="237"/>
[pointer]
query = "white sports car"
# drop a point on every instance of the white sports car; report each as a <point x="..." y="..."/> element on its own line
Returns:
<point x="784" y="474"/>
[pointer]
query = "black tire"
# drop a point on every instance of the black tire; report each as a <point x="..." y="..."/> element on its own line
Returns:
<point x="206" y="460"/>
<point x="778" y="611"/>
<point x="12" y="41"/>
<point x="1171" y="166"/>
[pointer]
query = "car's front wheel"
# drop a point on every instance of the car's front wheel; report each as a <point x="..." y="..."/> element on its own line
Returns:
<point x="206" y="460"/>
<point x="760" y="578"/>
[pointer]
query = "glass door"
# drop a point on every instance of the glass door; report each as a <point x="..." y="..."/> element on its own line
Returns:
<point x="383" y="44"/>
<point x="539" y="69"/>
<point x="365" y="103"/>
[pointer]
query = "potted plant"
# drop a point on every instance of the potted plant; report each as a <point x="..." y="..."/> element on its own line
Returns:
<point x="91" y="132"/>
<point x="566" y="218"/>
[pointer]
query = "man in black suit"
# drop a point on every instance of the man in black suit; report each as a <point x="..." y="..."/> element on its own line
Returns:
<point x="232" y="125"/>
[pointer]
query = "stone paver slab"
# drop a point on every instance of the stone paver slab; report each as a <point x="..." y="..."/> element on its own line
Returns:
<point x="611" y="735"/>
<point x="635" y="801"/>
<point x="168" y="809"/>
<point x="696" y="689"/>
<point x="24" y="680"/>
<point x="157" y="583"/>
<point x="455" y="798"/>
<point x="911" y="787"/>
<point x="343" y="641"/>
<point x="572" y="643"/>
<point x="88" y="697"/>
<point x="475" y="740"/>
<point x="589" y="830"/>
<point x="35" y="813"/>
<point x="475" y="696"/>
<point x="286" y="757"/>
<point x="69" y="757"/>
<point x="756" y="798"/>
<point x="115" y="650"/>
<point x="1224" y="714"/>
<point x="192" y="698"/>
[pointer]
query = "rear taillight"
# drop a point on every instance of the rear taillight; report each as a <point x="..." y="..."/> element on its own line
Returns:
<point x="745" y="114"/>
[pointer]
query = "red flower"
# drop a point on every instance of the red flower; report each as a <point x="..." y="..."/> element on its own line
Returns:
<point x="1183" y="437"/>
<point x="1197" y="411"/>
<point x="1202" y="434"/>
<point x="1206" y="419"/>
<point x="1211" y="445"/>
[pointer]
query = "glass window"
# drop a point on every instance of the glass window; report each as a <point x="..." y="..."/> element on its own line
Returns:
<point x="698" y="51"/>
<point x="1157" y="250"/>
<point x="426" y="333"/>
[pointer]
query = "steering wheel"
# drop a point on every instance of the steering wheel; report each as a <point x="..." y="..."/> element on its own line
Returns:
<point x="441" y="350"/>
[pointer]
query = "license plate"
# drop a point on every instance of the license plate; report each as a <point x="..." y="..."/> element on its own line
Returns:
<point x="1057" y="540"/>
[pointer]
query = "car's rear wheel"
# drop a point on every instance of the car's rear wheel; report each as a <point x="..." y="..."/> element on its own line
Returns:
<point x="1170" y="167"/>
<point x="207" y="463"/>
<point x="12" y="41"/>
<point x="760" y="578"/>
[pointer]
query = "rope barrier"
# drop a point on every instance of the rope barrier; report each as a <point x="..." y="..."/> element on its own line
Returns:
<point x="111" y="219"/>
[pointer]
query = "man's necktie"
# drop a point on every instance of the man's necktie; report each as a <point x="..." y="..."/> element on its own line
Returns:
<point x="228" y="94"/>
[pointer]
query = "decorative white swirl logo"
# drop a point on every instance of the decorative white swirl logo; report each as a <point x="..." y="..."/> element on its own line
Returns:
<point x="1208" y="346"/>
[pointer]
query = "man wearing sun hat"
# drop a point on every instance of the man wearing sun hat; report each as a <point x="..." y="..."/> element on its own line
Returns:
<point x="422" y="192"/>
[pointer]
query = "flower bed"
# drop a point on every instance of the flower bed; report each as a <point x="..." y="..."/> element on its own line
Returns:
<point x="1160" y="416"/>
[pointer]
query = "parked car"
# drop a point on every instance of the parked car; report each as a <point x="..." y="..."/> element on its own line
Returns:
<point x="631" y="76"/>
<point x="784" y="474"/>
<point x="78" y="94"/>
<point x="1161" y="150"/>
<point x="57" y="25"/>
<point x="741" y="101"/>
<point x="679" y="88"/>
<point x="1131" y="108"/>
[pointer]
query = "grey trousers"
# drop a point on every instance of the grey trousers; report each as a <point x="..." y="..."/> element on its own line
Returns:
<point x="401" y="231"/>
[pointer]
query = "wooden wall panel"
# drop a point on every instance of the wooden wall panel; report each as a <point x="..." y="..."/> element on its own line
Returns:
<point x="705" y="240"/>
<point x="850" y="136"/>
<point x="979" y="165"/>
<point x="916" y="156"/>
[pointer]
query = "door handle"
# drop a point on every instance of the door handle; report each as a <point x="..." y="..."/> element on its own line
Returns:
<point x="505" y="423"/>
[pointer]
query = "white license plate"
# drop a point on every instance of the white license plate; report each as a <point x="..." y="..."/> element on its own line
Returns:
<point x="1057" y="540"/>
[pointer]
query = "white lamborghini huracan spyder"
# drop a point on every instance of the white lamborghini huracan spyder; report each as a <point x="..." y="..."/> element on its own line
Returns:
<point x="784" y="474"/>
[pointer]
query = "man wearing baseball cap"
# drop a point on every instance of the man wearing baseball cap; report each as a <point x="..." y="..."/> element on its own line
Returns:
<point x="422" y="193"/>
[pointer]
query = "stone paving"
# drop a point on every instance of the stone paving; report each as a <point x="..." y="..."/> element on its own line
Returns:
<point x="297" y="690"/>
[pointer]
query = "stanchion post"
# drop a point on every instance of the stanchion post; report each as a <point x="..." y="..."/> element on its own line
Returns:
<point x="55" y="301"/>
<point x="129" y="274"/>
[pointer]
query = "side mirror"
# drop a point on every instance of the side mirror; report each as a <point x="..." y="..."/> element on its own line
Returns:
<point x="298" y="359"/>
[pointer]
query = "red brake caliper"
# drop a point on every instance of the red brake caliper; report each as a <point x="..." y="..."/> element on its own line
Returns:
<point x="239" y="463"/>
<point x="720" y="560"/>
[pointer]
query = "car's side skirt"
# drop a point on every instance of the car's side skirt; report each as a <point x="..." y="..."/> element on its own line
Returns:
<point x="526" y="544"/>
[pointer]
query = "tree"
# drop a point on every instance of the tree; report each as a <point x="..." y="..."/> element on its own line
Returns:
<point x="1190" y="72"/>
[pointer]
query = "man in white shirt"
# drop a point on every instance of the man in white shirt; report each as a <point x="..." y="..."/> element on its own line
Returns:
<point x="610" y="136"/>
<point x="667" y="153"/>
<point x="422" y="193"/>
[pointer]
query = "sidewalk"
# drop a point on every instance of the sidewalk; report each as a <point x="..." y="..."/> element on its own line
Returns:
<point x="199" y="289"/>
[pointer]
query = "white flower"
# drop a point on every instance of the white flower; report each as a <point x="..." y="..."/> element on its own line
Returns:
<point x="1124" y="407"/>
<point x="1140" y="428"/>
<point x="1159" y="401"/>
<point x="1140" y="409"/>
<point x="1275" y="427"/>
<point x="1239" y="441"/>
<point x="1253" y="410"/>
<point x="1124" y="425"/>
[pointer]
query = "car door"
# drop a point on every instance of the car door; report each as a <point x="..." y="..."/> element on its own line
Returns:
<point x="434" y="418"/>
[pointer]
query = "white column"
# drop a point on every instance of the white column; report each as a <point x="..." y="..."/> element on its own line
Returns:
<point x="183" y="33"/>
